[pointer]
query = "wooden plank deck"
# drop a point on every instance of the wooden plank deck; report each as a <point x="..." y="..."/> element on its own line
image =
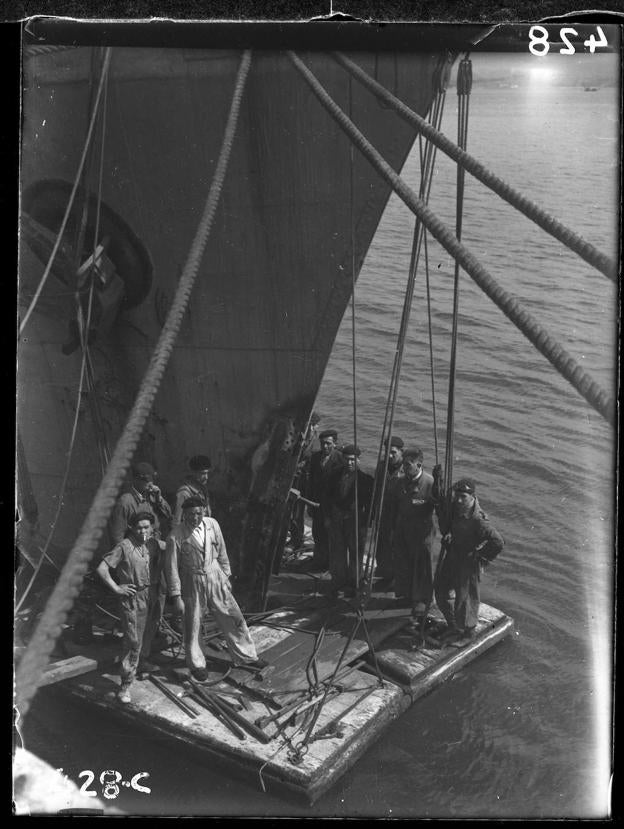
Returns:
<point x="408" y="673"/>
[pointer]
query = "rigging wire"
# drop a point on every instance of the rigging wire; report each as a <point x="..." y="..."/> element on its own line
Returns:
<point x="517" y="200"/>
<point x="464" y="85"/>
<point x="356" y="564"/>
<point x="464" y="88"/>
<point x="427" y="164"/>
<point x="537" y="335"/>
<point x="72" y="195"/>
<point x="34" y="659"/>
<point x="84" y="365"/>
<point x="431" y="363"/>
<point x="93" y="399"/>
<point x="70" y="451"/>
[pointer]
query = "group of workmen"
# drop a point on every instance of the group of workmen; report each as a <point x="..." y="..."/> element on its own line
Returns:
<point x="405" y="530"/>
<point x="178" y="552"/>
<point x="159" y="551"/>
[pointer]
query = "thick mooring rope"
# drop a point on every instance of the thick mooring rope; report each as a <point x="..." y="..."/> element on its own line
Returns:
<point x="528" y="208"/>
<point x="28" y="674"/>
<point x="565" y="364"/>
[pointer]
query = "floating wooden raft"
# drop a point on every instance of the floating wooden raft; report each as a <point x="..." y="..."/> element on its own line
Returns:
<point x="408" y="674"/>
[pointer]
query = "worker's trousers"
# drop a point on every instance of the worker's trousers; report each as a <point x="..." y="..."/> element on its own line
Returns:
<point x="140" y="615"/>
<point x="210" y="589"/>
<point x="459" y="575"/>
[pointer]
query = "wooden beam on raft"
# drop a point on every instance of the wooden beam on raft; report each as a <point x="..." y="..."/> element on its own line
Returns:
<point x="72" y="666"/>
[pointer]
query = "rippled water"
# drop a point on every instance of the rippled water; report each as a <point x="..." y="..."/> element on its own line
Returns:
<point x="524" y="730"/>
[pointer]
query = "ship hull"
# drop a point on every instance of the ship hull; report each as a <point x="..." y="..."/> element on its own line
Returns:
<point x="298" y="211"/>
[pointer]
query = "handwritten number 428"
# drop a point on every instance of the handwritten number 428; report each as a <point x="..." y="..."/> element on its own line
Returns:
<point x="540" y="46"/>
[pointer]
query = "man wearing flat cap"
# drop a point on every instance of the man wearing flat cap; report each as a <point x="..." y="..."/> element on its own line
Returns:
<point x="392" y="472"/>
<point x="141" y="494"/>
<point x="198" y="573"/>
<point x="350" y="491"/>
<point x="323" y="465"/>
<point x="471" y="543"/>
<point x="414" y="531"/>
<point x="195" y="485"/>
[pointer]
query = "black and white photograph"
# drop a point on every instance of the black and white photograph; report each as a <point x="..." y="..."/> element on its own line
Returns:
<point x="316" y="420"/>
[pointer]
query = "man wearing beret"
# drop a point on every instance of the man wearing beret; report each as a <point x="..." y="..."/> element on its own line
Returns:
<point x="348" y="519"/>
<point x="414" y="531"/>
<point x="198" y="573"/>
<point x="393" y="472"/>
<point x="471" y="544"/>
<point x="323" y="465"/>
<point x="137" y="561"/>
<point x="141" y="495"/>
<point x="195" y="485"/>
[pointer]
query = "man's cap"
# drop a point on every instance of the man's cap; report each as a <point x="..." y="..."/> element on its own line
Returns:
<point x="465" y="485"/>
<point x="351" y="449"/>
<point x="144" y="470"/>
<point x="413" y="454"/>
<point x="140" y="516"/>
<point x="328" y="433"/>
<point x="395" y="442"/>
<point x="199" y="462"/>
<point x="189" y="503"/>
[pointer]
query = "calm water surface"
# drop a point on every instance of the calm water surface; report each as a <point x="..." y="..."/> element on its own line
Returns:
<point x="524" y="730"/>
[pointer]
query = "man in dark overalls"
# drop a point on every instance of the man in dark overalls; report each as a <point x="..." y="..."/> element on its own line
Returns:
<point x="348" y="520"/>
<point x="414" y="532"/>
<point x="394" y="471"/>
<point x="195" y="485"/>
<point x="323" y="464"/>
<point x="137" y="562"/>
<point x="142" y="495"/>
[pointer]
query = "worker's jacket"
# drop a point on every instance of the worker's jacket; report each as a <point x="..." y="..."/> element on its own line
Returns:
<point x="137" y="564"/>
<point x="392" y="475"/>
<point x="473" y="537"/>
<point x="412" y="505"/>
<point x="191" y="489"/>
<point x="194" y="552"/>
<point x="322" y="469"/>
<point x="131" y="502"/>
<point x="341" y="495"/>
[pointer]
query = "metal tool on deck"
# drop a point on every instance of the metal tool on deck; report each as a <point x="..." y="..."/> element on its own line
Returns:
<point x="331" y="729"/>
<point x="242" y="666"/>
<point x="226" y="709"/>
<point x="290" y="706"/>
<point x="303" y="706"/>
<point x="254" y="693"/>
<point x="189" y="691"/>
<point x="221" y="716"/>
<point x="184" y="706"/>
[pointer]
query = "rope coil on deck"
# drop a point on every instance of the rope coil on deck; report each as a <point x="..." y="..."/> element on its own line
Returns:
<point x="526" y="206"/>
<point x="28" y="674"/>
<point x="565" y="364"/>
